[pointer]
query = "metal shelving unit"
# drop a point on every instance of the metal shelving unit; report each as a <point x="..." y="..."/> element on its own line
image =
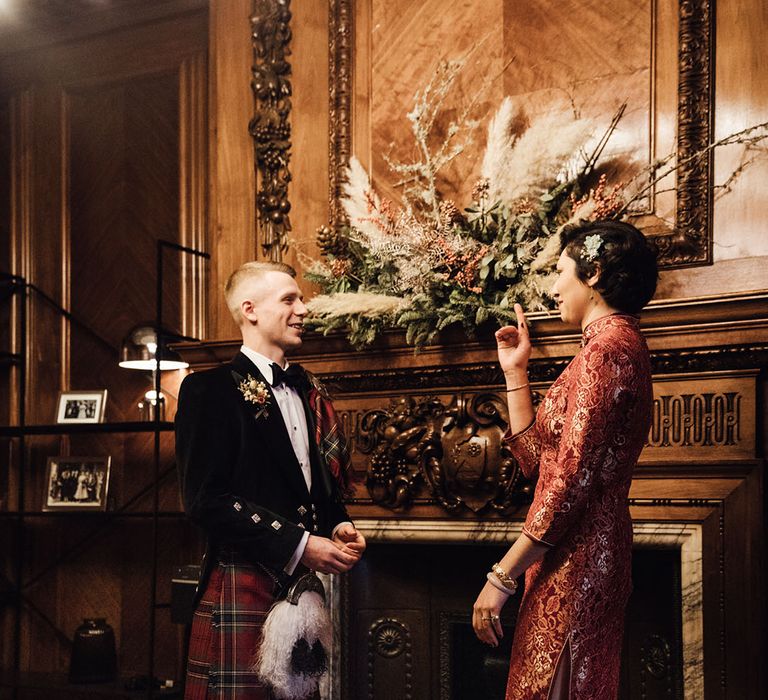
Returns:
<point x="86" y="428"/>
<point x="13" y="679"/>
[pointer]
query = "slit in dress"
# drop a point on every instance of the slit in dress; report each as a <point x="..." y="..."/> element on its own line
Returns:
<point x="560" y="688"/>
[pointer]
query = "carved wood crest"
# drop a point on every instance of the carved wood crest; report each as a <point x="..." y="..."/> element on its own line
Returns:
<point x="455" y="452"/>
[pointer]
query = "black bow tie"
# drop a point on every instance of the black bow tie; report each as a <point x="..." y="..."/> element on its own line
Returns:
<point x="293" y="376"/>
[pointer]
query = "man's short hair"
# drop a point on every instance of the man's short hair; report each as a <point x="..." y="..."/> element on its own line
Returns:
<point x="248" y="272"/>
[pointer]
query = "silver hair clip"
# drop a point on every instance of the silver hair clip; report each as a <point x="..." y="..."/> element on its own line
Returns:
<point x="591" y="249"/>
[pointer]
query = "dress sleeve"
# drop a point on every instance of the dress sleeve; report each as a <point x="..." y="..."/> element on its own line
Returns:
<point x="599" y="397"/>
<point x="525" y="447"/>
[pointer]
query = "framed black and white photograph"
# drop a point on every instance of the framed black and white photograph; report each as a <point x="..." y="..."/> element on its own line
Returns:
<point x="77" y="483"/>
<point x="81" y="406"/>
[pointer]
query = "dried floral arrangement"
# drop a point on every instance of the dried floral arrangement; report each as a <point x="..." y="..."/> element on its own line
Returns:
<point x="424" y="264"/>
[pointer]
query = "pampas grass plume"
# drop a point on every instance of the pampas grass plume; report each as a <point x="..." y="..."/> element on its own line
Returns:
<point x="359" y="303"/>
<point x="358" y="196"/>
<point x="540" y="154"/>
<point x="498" y="147"/>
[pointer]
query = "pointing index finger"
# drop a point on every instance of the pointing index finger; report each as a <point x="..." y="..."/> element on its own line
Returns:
<point x="521" y="323"/>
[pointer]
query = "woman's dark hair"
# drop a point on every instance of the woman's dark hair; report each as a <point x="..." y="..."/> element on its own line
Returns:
<point x="624" y="258"/>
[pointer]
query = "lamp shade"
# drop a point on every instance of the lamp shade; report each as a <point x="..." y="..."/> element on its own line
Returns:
<point x="140" y="350"/>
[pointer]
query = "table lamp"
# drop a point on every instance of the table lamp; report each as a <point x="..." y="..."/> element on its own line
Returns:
<point x="140" y="350"/>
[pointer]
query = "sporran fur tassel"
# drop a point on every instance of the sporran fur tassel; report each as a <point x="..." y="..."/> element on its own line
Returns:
<point x="296" y="639"/>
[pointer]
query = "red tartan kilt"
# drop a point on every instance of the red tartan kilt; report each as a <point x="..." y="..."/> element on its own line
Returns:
<point x="226" y="632"/>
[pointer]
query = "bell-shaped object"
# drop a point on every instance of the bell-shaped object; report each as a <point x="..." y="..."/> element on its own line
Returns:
<point x="94" y="659"/>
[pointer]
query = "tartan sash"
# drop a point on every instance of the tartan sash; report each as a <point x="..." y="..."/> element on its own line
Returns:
<point x="329" y="435"/>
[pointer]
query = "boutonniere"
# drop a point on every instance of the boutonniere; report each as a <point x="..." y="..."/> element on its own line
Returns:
<point x="255" y="392"/>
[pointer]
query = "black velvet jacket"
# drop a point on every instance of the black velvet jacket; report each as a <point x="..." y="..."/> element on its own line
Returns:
<point x="240" y="479"/>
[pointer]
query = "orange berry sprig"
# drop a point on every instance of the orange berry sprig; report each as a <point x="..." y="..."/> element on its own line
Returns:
<point x="607" y="203"/>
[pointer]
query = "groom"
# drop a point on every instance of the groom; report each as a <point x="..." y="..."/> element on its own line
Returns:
<point x="262" y="464"/>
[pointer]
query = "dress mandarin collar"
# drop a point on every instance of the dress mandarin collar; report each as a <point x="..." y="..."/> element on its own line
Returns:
<point x="610" y="321"/>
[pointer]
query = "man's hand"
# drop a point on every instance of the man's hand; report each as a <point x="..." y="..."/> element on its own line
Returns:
<point x="328" y="557"/>
<point x="347" y="536"/>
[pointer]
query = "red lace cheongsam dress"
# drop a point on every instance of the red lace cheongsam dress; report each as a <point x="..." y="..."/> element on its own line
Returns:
<point x="585" y="441"/>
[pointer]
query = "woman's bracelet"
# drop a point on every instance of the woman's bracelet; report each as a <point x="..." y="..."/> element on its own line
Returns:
<point x="497" y="584"/>
<point x="504" y="577"/>
<point x="518" y="387"/>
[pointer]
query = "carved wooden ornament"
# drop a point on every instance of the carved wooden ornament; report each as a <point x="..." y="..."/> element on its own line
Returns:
<point x="457" y="452"/>
<point x="271" y="131"/>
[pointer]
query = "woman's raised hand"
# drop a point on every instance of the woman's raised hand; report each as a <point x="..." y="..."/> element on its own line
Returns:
<point x="514" y="344"/>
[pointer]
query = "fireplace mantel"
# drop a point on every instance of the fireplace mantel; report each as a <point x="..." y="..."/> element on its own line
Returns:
<point x="702" y="467"/>
<point x="738" y="322"/>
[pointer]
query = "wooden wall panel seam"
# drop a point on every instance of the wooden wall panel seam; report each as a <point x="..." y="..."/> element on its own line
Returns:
<point x="192" y="191"/>
<point x="22" y="262"/>
<point x="66" y="243"/>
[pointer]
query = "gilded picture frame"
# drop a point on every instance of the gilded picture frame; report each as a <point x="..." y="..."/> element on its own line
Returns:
<point x="689" y="242"/>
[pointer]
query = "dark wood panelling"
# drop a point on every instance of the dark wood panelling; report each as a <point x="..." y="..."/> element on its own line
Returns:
<point x="47" y="263"/>
<point x="233" y="173"/>
<point x="5" y="257"/>
<point x="35" y="23"/>
<point x="106" y="133"/>
<point x="193" y="214"/>
<point x="124" y="194"/>
<point x="111" y="56"/>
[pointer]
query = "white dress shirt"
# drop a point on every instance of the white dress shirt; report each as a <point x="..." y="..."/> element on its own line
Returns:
<point x="292" y="409"/>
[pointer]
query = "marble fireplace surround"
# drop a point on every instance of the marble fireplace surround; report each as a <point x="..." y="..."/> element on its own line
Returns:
<point x="685" y="537"/>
